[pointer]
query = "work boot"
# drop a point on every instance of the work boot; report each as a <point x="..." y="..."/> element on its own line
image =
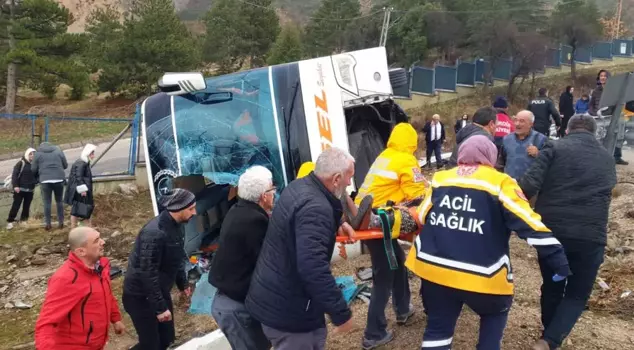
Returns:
<point x="620" y="161"/>
<point x="541" y="345"/>
<point x="402" y="320"/>
<point x="373" y="344"/>
<point x="358" y="218"/>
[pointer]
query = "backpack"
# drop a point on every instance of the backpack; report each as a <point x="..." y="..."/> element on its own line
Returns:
<point x="8" y="181"/>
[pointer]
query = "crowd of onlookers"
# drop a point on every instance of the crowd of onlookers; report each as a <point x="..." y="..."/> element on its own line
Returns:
<point x="46" y="167"/>
<point x="272" y="267"/>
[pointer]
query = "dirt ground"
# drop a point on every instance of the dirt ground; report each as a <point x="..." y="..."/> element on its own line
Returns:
<point x="29" y="255"/>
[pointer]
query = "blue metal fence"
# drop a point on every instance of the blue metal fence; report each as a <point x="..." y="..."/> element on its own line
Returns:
<point x="466" y="74"/>
<point x="446" y="78"/>
<point x="469" y="73"/>
<point x="40" y="126"/>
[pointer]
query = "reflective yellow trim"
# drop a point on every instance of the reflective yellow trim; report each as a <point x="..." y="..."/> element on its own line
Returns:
<point x="496" y="284"/>
<point x="396" y="229"/>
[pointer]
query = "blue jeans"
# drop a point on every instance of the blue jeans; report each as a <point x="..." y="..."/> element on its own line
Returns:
<point x="48" y="190"/>
<point x="563" y="302"/>
<point x="242" y="331"/>
<point x="443" y="306"/>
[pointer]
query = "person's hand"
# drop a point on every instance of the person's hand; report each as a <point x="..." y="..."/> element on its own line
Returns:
<point x="119" y="328"/>
<point x="16" y="189"/>
<point x="187" y="292"/>
<point x="557" y="278"/>
<point x="532" y="151"/>
<point x="347" y="327"/>
<point x="346" y="230"/>
<point x="166" y="316"/>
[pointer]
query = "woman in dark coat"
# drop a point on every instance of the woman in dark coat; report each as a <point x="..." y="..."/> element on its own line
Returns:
<point x="23" y="183"/>
<point x="566" y="108"/>
<point x="80" y="182"/>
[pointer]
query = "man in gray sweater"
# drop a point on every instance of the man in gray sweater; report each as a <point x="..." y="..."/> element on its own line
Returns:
<point x="48" y="166"/>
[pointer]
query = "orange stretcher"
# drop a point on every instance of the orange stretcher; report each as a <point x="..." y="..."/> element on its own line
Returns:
<point x="364" y="236"/>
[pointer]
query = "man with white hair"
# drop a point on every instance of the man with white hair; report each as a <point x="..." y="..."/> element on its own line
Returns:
<point x="521" y="147"/>
<point x="79" y="305"/>
<point x="292" y="285"/>
<point x="241" y="236"/>
<point x="434" y="138"/>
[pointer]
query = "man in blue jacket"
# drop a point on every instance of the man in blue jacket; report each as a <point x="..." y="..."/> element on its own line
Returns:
<point x="292" y="286"/>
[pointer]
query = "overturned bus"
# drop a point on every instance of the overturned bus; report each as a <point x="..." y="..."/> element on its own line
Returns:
<point x="202" y="133"/>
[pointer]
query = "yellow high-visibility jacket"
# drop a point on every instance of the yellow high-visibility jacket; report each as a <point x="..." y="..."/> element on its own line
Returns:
<point x="467" y="217"/>
<point x="305" y="169"/>
<point x="395" y="175"/>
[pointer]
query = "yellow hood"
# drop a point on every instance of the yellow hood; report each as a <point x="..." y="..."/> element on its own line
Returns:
<point x="305" y="169"/>
<point x="403" y="138"/>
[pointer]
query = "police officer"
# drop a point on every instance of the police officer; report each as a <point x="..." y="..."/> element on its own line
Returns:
<point x="543" y="108"/>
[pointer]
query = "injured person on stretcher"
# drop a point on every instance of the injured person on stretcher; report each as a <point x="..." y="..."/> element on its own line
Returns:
<point x="461" y="247"/>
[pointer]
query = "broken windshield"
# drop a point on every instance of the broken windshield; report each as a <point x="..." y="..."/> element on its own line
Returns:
<point x="220" y="140"/>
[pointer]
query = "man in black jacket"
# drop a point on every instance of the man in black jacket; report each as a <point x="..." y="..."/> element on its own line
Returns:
<point x="484" y="122"/>
<point x="543" y="108"/>
<point x="292" y="285"/>
<point x="155" y="264"/>
<point x="574" y="177"/>
<point x="241" y="236"/>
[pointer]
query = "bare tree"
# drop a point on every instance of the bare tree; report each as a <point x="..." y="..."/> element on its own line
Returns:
<point x="577" y="24"/>
<point x="529" y="56"/>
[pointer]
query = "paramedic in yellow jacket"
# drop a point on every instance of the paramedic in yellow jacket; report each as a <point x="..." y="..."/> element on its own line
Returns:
<point x="462" y="252"/>
<point x="394" y="176"/>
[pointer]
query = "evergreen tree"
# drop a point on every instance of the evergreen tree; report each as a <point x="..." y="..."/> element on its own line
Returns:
<point x="287" y="47"/>
<point x="152" y="41"/>
<point x="326" y="32"/>
<point x="40" y="54"/>
<point x="239" y="34"/>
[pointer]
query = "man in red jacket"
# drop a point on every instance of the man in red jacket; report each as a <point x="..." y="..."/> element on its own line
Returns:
<point x="79" y="306"/>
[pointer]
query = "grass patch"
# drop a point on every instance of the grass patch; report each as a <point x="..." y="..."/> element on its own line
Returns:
<point x="16" y="134"/>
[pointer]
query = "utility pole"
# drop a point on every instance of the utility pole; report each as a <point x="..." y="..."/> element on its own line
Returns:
<point x="619" y="10"/>
<point x="386" y="25"/>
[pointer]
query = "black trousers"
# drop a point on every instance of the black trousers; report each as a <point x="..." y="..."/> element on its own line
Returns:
<point x="563" y="302"/>
<point x="386" y="283"/>
<point x="434" y="147"/>
<point x="24" y="199"/>
<point x="153" y="335"/>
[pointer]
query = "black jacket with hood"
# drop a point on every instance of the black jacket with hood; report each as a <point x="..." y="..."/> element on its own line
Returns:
<point x="22" y="176"/>
<point x="566" y="104"/>
<point x="469" y="130"/>
<point x="80" y="174"/>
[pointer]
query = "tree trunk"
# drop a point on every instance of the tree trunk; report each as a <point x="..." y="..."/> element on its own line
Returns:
<point x="573" y="65"/>
<point x="532" y="94"/>
<point x="12" y="67"/>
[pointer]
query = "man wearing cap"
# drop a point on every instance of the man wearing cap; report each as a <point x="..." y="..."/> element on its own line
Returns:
<point x="504" y="124"/>
<point x="154" y="266"/>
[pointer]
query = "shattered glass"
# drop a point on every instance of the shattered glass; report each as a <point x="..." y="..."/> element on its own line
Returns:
<point x="218" y="138"/>
<point x="222" y="139"/>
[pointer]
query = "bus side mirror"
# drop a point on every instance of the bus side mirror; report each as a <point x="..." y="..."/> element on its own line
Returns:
<point x="175" y="84"/>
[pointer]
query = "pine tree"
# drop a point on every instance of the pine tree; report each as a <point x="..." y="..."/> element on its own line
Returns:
<point x="287" y="47"/>
<point x="239" y="34"/>
<point x="40" y="54"/>
<point x="152" y="41"/>
<point x="326" y="32"/>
